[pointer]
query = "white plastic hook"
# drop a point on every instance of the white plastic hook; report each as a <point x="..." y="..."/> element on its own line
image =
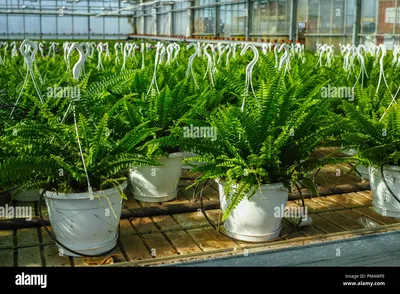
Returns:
<point x="210" y="64"/>
<point x="190" y="63"/>
<point x="86" y="47"/>
<point x="381" y="51"/>
<point x="285" y="58"/>
<point x="100" y="52"/>
<point x="14" y="51"/>
<point x="177" y="50"/>
<point x="162" y="53"/>
<point x="66" y="59"/>
<point x="116" y="46"/>
<point x="106" y="48"/>
<point x="131" y="48"/>
<point x="5" y="51"/>
<point x="233" y="46"/>
<point x="249" y="72"/>
<point x="1" y="59"/>
<point x="276" y="48"/>
<point x="77" y="68"/>
<point x="360" y="57"/>
<point x="76" y="71"/>
<point x="142" y="51"/>
<point x="41" y="47"/>
<point x="52" y="49"/>
<point x="154" y="80"/>
<point x="396" y="51"/>
<point x="92" y="47"/>
<point x="169" y="49"/>
<point x="228" y="55"/>
<point x="29" y="59"/>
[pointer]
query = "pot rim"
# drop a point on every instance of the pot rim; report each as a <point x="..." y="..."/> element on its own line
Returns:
<point x="83" y="195"/>
<point x="172" y="155"/>
<point x="387" y="167"/>
<point x="263" y="186"/>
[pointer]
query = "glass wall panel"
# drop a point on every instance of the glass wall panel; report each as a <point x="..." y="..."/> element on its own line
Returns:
<point x="49" y="26"/>
<point x="3" y="25"/>
<point x="126" y="22"/>
<point x="111" y="25"/>
<point x="81" y="26"/>
<point x="16" y="24"/>
<point x="163" y="20"/>
<point x="32" y="25"/>
<point x="149" y="21"/>
<point x="204" y="20"/>
<point x="232" y="20"/>
<point x="180" y="20"/>
<point x="270" y="19"/>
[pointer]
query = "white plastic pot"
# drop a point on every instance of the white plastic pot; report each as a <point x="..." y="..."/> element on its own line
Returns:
<point x="83" y="225"/>
<point x="26" y="195"/>
<point x="255" y="220"/>
<point x="363" y="171"/>
<point x="383" y="201"/>
<point x="187" y="155"/>
<point x="157" y="183"/>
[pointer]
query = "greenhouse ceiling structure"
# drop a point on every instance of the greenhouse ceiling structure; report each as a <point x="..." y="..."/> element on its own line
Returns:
<point x="308" y="21"/>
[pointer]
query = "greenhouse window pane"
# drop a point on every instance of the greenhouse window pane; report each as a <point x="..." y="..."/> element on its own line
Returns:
<point x="139" y="29"/>
<point x="283" y="17"/>
<point x="368" y="17"/>
<point x="204" y="21"/>
<point x="350" y="12"/>
<point x="149" y="25"/>
<point x="163" y="24"/>
<point x="64" y="25"/>
<point x="81" y="25"/>
<point x="313" y="16"/>
<point x="96" y="26"/>
<point x="272" y="14"/>
<point x="181" y="23"/>
<point x="111" y="25"/>
<point x="32" y="24"/>
<point x="233" y="19"/>
<point x="16" y="24"/>
<point x="259" y="23"/>
<point x="3" y="24"/>
<point x="49" y="25"/>
<point x="338" y="19"/>
<point x="325" y="16"/>
<point x="203" y="2"/>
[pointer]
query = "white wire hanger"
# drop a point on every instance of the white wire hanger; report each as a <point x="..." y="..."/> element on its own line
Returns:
<point x="29" y="57"/>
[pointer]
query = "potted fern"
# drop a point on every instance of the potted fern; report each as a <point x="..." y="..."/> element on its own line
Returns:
<point x="79" y="165"/>
<point x="260" y="150"/>
<point x="180" y="104"/>
<point x="158" y="183"/>
<point x="378" y="148"/>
